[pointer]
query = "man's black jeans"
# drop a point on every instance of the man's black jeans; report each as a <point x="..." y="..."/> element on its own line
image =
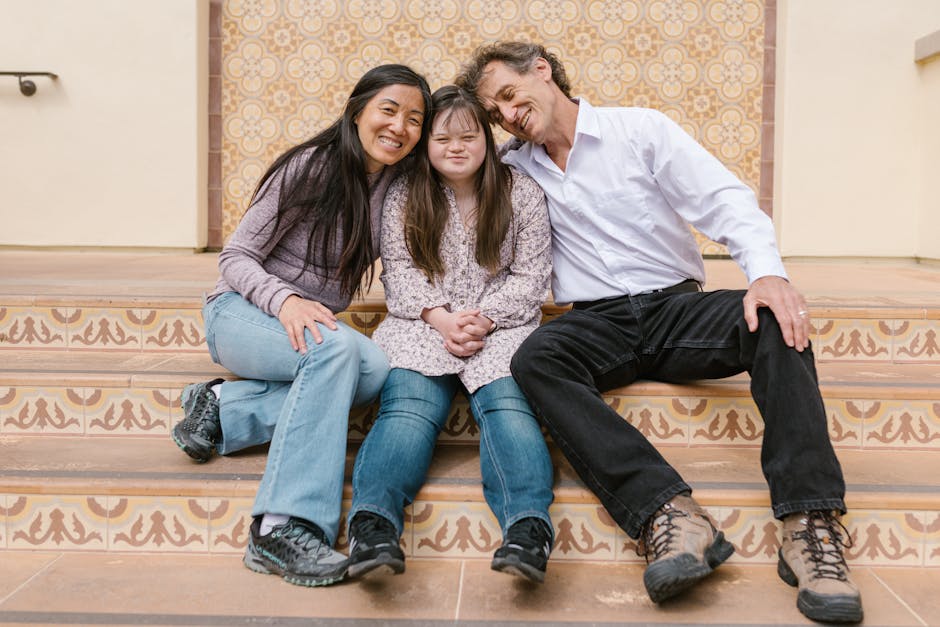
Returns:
<point x="675" y="337"/>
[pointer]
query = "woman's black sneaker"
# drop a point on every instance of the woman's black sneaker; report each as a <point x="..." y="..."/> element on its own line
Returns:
<point x="525" y="550"/>
<point x="373" y="546"/>
<point x="297" y="550"/>
<point x="201" y="428"/>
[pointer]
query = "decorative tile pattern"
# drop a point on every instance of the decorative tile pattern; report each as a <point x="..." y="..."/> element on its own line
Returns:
<point x="903" y="425"/>
<point x="731" y="421"/>
<point x="661" y="420"/>
<point x="105" y="329"/>
<point x="754" y="533"/>
<point x="63" y="523"/>
<point x="137" y="411"/>
<point x="41" y="410"/>
<point x="159" y="524"/>
<point x="852" y="340"/>
<point x="886" y="538"/>
<point x="3" y="520"/>
<point x="363" y="321"/>
<point x="33" y="327"/>
<point x="288" y="66"/>
<point x="583" y="532"/>
<point x="447" y="529"/>
<point x="847" y="421"/>
<point x="229" y="520"/>
<point x="932" y="539"/>
<point x="175" y="330"/>
<point x="916" y="341"/>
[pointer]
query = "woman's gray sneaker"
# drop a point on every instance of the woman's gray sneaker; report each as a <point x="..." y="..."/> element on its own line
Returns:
<point x="200" y="429"/>
<point x="298" y="551"/>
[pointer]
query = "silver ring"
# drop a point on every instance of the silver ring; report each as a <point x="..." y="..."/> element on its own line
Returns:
<point x="802" y="312"/>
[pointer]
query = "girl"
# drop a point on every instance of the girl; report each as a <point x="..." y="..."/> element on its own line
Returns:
<point x="466" y="257"/>
<point x="296" y="259"/>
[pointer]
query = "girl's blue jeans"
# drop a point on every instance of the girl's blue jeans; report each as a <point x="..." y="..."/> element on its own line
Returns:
<point x="393" y="462"/>
<point x="298" y="403"/>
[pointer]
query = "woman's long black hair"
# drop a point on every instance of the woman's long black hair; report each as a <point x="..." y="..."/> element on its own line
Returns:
<point x="330" y="188"/>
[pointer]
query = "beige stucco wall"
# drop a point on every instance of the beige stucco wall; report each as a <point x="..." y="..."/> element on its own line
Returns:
<point x="113" y="153"/>
<point x="854" y="147"/>
<point x="929" y="231"/>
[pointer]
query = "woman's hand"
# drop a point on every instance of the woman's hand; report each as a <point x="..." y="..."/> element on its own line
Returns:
<point x="297" y="314"/>
<point x="464" y="332"/>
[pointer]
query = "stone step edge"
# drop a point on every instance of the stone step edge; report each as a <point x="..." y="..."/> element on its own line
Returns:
<point x="857" y="380"/>
<point x="819" y="308"/>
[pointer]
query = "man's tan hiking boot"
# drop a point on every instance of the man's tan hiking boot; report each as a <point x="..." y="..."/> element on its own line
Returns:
<point x="681" y="546"/>
<point x="811" y="558"/>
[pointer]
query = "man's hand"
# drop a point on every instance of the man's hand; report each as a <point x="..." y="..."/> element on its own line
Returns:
<point x="297" y="314"/>
<point x="464" y="332"/>
<point x="787" y="304"/>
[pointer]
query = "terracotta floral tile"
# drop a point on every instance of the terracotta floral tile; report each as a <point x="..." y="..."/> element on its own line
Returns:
<point x="454" y="530"/>
<point x="105" y="329"/>
<point x="903" y="424"/>
<point x="52" y="522"/>
<point x="34" y="327"/>
<point x="229" y="520"/>
<point x="3" y="520"/>
<point x="583" y="532"/>
<point x="754" y="533"/>
<point x="852" y="340"/>
<point x="361" y="420"/>
<point x="461" y="426"/>
<point x="121" y="411"/>
<point x="175" y="330"/>
<point x="165" y="524"/>
<point x="728" y="421"/>
<point x="885" y="538"/>
<point x="663" y="420"/>
<point x="916" y="341"/>
<point x="846" y="421"/>
<point x="932" y="539"/>
<point x="41" y="410"/>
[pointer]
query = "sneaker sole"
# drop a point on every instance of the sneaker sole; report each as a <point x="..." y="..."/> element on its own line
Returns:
<point x="259" y="564"/>
<point x="829" y="609"/>
<point x="193" y="453"/>
<point x="512" y="565"/>
<point x="666" y="579"/>
<point x="382" y="564"/>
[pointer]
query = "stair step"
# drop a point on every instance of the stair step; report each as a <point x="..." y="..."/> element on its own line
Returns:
<point x="141" y="494"/>
<point x="111" y="394"/>
<point x="219" y="590"/>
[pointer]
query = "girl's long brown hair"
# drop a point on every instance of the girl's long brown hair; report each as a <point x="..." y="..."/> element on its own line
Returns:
<point x="426" y="212"/>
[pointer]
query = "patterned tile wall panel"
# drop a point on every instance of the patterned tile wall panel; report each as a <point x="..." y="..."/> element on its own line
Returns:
<point x="287" y="66"/>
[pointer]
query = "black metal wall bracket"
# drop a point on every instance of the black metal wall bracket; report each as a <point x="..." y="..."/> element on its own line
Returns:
<point x="28" y="87"/>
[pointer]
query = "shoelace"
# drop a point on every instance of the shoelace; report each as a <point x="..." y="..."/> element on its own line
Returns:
<point x="658" y="533"/>
<point x="825" y="552"/>
<point x="200" y="406"/>
<point x="373" y="530"/>
<point x="303" y="535"/>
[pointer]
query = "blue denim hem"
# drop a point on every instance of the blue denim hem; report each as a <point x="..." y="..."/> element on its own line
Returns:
<point x="782" y="510"/>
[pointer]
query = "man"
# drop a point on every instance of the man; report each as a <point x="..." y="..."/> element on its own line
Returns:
<point x="622" y="186"/>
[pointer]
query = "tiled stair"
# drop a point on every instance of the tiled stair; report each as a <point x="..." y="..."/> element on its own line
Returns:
<point x="93" y="360"/>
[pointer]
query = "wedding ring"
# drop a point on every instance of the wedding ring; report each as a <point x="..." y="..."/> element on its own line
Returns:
<point x="802" y="312"/>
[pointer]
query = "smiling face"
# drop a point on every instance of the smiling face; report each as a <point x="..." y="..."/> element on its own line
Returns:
<point x="522" y="104"/>
<point x="389" y="125"/>
<point x="457" y="147"/>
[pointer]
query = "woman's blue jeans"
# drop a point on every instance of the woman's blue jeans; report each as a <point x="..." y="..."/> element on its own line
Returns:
<point x="298" y="403"/>
<point x="393" y="462"/>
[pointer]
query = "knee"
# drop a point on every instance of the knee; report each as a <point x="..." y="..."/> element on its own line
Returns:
<point x="526" y="359"/>
<point x="340" y="347"/>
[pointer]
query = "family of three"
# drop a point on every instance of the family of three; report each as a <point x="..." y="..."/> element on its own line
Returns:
<point x="595" y="201"/>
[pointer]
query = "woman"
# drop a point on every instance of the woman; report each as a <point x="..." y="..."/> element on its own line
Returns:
<point x="296" y="259"/>
<point x="466" y="258"/>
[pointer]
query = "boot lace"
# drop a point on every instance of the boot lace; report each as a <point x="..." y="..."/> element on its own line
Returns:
<point x="528" y="533"/>
<point x="824" y="550"/>
<point x="200" y="421"/>
<point x="659" y="532"/>
<point x="304" y="536"/>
